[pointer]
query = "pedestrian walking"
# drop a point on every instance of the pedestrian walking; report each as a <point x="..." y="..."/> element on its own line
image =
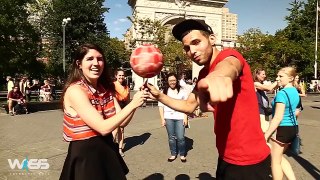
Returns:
<point x="284" y="124"/>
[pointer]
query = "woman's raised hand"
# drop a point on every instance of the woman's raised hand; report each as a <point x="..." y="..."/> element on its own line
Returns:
<point x="139" y="98"/>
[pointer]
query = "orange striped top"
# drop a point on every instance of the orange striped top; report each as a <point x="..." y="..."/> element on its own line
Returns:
<point x="74" y="128"/>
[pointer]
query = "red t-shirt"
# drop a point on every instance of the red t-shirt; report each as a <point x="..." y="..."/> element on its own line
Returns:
<point x="239" y="138"/>
<point x="15" y="95"/>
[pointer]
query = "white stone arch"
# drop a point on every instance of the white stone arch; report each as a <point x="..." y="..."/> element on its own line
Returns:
<point x="170" y="18"/>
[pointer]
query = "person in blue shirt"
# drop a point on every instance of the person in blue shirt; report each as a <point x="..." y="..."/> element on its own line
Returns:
<point x="284" y="122"/>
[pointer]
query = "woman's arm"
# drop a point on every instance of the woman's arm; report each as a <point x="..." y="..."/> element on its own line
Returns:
<point x="161" y="111"/>
<point x="118" y="109"/>
<point x="77" y="98"/>
<point x="187" y="106"/>
<point x="303" y="91"/>
<point x="185" y="119"/>
<point x="264" y="87"/>
<point x="277" y="118"/>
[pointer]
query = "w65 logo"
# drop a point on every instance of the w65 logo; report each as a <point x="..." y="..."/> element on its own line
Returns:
<point x="29" y="164"/>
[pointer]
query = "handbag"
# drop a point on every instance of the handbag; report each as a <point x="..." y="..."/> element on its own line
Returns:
<point x="296" y="143"/>
<point x="267" y="110"/>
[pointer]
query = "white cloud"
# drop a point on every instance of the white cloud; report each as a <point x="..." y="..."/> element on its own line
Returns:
<point x="123" y="20"/>
<point x="117" y="29"/>
<point x="118" y="5"/>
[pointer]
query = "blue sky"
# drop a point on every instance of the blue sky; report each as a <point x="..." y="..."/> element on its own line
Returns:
<point x="268" y="15"/>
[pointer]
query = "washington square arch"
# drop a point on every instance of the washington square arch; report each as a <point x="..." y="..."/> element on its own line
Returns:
<point x="171" y="12"/>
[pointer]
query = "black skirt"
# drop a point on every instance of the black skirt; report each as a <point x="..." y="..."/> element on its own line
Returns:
<point x="95" y="158"/>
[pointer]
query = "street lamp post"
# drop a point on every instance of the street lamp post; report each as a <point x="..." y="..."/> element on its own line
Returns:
<point x="316" y="48"/>
<point x="64" y="23"/>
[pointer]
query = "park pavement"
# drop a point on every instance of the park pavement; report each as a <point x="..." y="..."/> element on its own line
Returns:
<point x="39" y="136"/>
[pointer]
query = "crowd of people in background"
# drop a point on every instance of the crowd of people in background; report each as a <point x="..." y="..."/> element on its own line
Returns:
<point x="44" y="90"/>
<point x="23" y="89"/>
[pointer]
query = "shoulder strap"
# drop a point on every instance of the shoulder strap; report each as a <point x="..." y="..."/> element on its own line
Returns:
<point x="291" y="111"/>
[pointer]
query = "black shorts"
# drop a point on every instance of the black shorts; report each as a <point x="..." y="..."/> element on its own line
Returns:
<point x="286" y="134"/>
<point x="227" y="171"/>
<point x="14" y="103"/>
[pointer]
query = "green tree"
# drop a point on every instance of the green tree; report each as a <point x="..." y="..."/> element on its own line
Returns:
<point x="86" y="26"/>
<point x="300" y="20"/>
<point x="252" y="44"/>
<point x="117" y="55"/>
<point x="294" y="45"/>
<point x="18" y="40"/>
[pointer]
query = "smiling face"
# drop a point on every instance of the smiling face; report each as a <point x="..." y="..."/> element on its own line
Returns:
<point x="92" y="65"/>
<point x="198" y="46"/>
<point x="261" y="76"/>
<point x="172" y="81"/>
<point x="120" y="76"/>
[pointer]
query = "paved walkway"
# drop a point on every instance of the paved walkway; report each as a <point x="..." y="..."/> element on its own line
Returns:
<point x="39" y="136"/>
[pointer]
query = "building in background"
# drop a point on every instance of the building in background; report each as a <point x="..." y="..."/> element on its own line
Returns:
<point x="229" y="27"/>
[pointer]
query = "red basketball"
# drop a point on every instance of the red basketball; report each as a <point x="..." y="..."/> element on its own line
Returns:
<point x="146" y="61"/>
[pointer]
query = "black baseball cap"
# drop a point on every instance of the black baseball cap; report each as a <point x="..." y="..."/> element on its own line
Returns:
<point x="181" y="28"/>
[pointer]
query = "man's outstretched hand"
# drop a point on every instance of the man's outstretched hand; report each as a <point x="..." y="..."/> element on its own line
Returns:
<point x="214" y="89"/>
<point x="153" y="92"/>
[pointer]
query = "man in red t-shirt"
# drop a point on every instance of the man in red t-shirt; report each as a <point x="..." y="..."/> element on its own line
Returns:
<point x="225" y="86"/>
<point x="16" y="97"/>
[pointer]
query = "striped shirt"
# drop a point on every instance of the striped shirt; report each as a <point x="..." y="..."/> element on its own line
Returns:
<point x="74" y="128"/>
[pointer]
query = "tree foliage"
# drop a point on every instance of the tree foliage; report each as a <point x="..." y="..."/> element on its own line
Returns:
<point x="116" y="53"/>
<point x="18" y="40"/>
<point x="86" y="26"/>
<point x="293" y="46"/>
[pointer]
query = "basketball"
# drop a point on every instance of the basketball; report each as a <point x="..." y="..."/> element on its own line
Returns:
<point x="146" y="61"/>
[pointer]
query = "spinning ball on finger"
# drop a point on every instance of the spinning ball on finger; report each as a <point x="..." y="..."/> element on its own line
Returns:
<point x="146" y="61"/>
